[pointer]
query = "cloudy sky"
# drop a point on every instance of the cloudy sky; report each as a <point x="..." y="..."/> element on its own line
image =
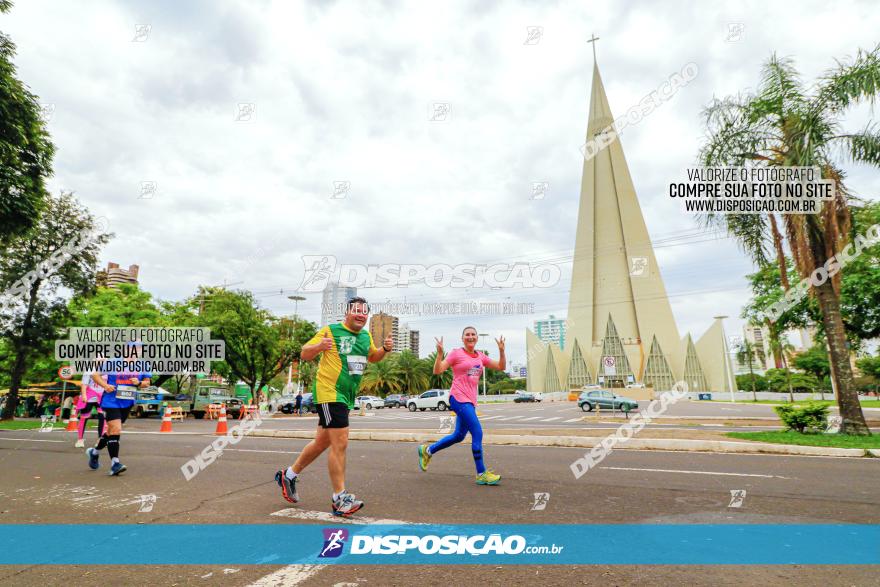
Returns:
<point x="151" y="94"/>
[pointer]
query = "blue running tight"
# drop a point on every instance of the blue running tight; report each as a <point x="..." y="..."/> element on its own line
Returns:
<point x="466" y="421"/>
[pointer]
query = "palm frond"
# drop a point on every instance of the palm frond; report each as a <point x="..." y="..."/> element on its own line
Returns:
<point x="779" y="92"/>
<point x="733" y="137"/>
<point x="850" y="83"/>
<point x="862" y="147"/>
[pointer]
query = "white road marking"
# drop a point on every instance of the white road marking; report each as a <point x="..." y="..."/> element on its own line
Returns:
<point x="328" y="517"/>
<point x="293" y="575"/>
<point x="551" y="419"/>
<point x="695" y="472"/>
<point x="287" y="452"/>
<point x="31" y="440"/>
<point x="573" y="420"/>
<point x="532" y="418"/>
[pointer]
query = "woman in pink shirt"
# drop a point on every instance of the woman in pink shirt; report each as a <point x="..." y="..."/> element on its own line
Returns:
<point x="88" y="402"/>
<point x="467" y="366"/>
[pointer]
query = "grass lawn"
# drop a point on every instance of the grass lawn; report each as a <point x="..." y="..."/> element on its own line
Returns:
<point x="871" y="403"/>
<point x="791" y="437"/>
<point x="35" y="424"/>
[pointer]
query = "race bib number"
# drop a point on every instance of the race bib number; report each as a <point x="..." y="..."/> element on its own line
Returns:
<point x="356" y="364"/>
<point x="126" y="392"/>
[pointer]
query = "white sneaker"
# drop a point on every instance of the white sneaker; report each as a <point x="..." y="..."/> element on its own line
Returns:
<point x="80" y="443"/>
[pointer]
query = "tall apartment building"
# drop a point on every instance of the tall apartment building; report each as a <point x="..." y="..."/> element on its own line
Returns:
<point x="383" y="325"/>
<point x="333" y="302"/>
<point x="414" y="342"/>
<point x="551" y="330"/>
<point x="407" y="339"/>
<point x="114" y="275"/>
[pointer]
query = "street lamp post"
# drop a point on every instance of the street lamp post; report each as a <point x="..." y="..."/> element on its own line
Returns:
<point x="484" y="371"/>
<point x="296" y="301"/>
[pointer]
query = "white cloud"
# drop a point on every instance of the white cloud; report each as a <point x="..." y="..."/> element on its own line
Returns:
<point x="342" y="91"/>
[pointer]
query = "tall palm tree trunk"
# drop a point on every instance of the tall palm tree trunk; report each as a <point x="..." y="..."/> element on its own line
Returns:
<point x="841" y="370"/>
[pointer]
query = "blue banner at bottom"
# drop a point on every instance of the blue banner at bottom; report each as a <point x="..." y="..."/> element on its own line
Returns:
<point x="429" y="544"/>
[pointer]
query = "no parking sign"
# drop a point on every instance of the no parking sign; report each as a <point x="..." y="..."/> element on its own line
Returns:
<point x="610" y="365"/>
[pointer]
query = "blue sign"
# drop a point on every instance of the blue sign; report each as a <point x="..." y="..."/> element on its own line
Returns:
<point x="431" y="544"/>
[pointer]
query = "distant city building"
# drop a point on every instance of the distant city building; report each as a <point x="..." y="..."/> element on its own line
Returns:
<point x="114" y="275"/>
<point x="402" y="341"/>
<point x="383" y="325"/>
<point x="414" y="342"/>
<point x="333" y="302"/>
<point x="551" y="330"/>
<point x="759" y="337"/>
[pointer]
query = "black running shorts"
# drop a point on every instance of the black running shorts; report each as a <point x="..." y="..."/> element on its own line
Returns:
<point x="111" y="414"/>
<point x="333" y="415"/>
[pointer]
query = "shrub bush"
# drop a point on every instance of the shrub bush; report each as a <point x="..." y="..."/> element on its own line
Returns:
<point x="811" y="417"/>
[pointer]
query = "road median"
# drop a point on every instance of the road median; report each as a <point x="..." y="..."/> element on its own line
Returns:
<point x="666" y="444"/>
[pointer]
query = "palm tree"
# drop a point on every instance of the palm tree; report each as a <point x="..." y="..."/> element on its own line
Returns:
<point x="414" y="373"/>
<point x="746" y="353"/>
<point x="441" y="381"/>
<point x="381" y="378"/>
<point x="785" y="124"/>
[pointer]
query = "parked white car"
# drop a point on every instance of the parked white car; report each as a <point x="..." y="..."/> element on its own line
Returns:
<point x="434" y="399"/>
<point x="368" y="402"/>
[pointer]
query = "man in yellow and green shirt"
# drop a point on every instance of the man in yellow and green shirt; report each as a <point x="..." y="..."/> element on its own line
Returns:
<point x="345" y="350"/>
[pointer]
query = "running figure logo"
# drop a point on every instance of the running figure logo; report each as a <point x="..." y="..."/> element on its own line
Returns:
<point x="319" y="268"/>
<point x="334" y="540"/>
<point x="541" y="500"/>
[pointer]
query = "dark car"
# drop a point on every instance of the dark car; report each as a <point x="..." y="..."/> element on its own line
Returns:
<point x="308" y="405"/>
<point x="396" y="400"/>
<point x="606" y="400"/>
<point x="523" y="396"/>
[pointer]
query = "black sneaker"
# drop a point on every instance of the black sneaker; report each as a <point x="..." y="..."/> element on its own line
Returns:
<point x="288" y="487"/>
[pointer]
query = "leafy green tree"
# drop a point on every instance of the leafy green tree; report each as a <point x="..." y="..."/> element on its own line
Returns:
<point x="26" y="150"/>
<point x="869" y="366"/>
<point x="751" y="381"/>
<point x="783" y="380"/>
<point x="860" y="284"/>
<point x="506" y="386"/>
<point x="306" y="373"/>
<point x="117" y="307"/>
<point x="61" y="251"/>
<point x="258" y="346"/>
<point x="814" y="361"/>
<point x="786" y="124"/>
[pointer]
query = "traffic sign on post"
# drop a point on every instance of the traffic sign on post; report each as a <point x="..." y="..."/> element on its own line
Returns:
<point x="610" y="365"/>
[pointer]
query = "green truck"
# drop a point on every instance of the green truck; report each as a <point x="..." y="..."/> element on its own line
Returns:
<point x="206" y="394"/>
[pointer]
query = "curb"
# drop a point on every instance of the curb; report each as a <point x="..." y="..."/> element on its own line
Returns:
<point x="718" y="446"/>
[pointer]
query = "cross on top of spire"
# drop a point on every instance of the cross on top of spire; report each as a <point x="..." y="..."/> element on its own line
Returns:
<point x="593" y="40"/>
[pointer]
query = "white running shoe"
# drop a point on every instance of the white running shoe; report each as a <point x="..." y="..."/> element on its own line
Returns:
<point x="79" y="443"/>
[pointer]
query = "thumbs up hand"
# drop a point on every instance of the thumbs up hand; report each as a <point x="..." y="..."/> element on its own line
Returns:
<point x="326" y="343"/>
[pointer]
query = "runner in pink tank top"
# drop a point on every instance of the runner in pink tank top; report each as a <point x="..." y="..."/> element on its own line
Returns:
<point x="467" y="366"/>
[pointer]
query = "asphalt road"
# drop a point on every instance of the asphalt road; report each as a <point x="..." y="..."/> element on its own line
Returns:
<point x="46" y="480"/>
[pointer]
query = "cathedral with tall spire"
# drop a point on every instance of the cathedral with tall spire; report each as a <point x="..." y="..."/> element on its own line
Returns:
<point x="620" y="328"/>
